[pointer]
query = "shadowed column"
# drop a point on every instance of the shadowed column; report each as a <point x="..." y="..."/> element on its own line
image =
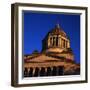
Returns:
<point x="31" y="72"/>
<point x="49" y="72"/>
<point x="25" y="72"/>
<point x="54" y="71"/>
<point x="60" y="70"/>
<point x="42" y="71"/>
<point x="36" y="73"/>
<point x="61" y="43"/>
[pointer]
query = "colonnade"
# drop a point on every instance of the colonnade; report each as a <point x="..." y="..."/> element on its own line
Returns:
<point x="58" y="42"/>
<point x="44" y="71"/>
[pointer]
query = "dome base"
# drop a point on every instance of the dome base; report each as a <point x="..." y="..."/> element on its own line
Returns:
<point x="55" y="49"/>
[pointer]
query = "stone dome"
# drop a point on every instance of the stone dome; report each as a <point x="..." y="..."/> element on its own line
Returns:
<point x="57" y="31"/>
<point x="56" y="40"/>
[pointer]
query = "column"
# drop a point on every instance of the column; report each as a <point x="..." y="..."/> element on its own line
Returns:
<point x="42" y="71"/>
<point x="68" y="44"/>
<point x="36" y="73"/>
<point x="55" y="40"/>
<point x="60" y="70"/>
<point x="60" y="42"/>
<point x="54" y="71"/>
<point x="52" y="41"/>
<point x="51" y="44"/>
<point x="30" y="72"/>
<point x="33" y="72"/>
<point x="49" y="72"/>
<point x="63" y="43"/>
<point x="45" y="71"/>
<point x="49" y="41"/>
<point x="26" y="72"/>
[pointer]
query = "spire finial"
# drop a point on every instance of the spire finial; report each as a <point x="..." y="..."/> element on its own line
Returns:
<point x="57" y="25"/>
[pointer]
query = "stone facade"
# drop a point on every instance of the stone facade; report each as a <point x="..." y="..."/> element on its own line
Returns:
<point x="56" y="41"/>
<point x="56" y="38"/>
<point x="55" y="59"/>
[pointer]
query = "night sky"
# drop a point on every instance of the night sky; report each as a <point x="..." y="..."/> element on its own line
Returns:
<point x="38" y="24"/>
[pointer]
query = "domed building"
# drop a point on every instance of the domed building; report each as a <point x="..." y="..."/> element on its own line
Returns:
<point x="57" y="43"/>
<point x="55" y="59"/>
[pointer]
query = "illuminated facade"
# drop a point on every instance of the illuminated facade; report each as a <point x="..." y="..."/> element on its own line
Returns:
<point x="55" y="59"/>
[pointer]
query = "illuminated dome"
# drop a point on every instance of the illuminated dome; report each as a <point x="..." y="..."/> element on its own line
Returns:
<point x="56" y="40"/>
<point x="57" y="31"/>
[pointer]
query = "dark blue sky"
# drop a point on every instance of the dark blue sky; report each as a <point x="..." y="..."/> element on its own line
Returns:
<point x="38" y="24"/>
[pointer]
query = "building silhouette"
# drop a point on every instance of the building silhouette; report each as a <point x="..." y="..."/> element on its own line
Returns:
<point x="55" y="59"/>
